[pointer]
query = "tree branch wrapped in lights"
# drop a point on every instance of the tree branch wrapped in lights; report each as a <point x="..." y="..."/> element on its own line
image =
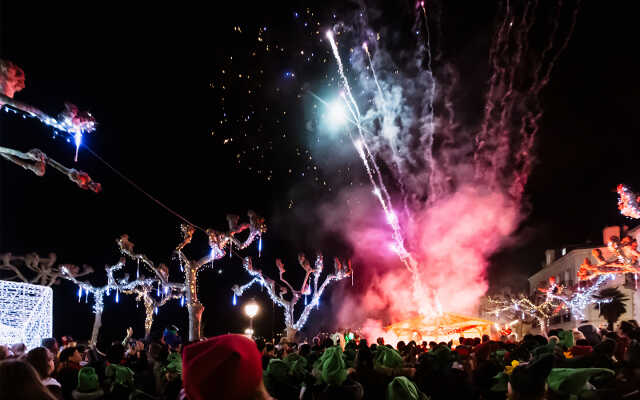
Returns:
<point x="278" y="293"/>
<point x="625" y="260"/>
<point x="142" y="287"/>
<point x="71" y="120"/>
<point x="628" y="203"/>
<point x="41" y="271"/>
<point x="523" y="308"/>
<point x="218" y="242"/>
<point x="575" y="300"/>
<point x="36" y="161"/>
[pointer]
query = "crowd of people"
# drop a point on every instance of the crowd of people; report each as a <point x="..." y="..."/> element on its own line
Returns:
<point x="584" y="363"/>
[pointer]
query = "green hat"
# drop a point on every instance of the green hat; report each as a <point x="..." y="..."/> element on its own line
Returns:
<point x="349" y="356"/>
<point x="545" y="349"/>
<point x="500" y="382"/>
<point x="277" y="373"/>
<point x="388" y="357"/>
<point x="401" y="388"/>
<point x="440" y="358"/>
<point x="566" y="338"/>
<point x="332" y="367"/>
<point x="120" y="375"/>
<point x="87" y="380"/>
<point x="297" y="365"/>
<point x="277" y="370"/>
<point x="530" y="378"/>
<point x="571" y="381"/>
<point x="174" y="364"/>
<point x="498" y="355"/>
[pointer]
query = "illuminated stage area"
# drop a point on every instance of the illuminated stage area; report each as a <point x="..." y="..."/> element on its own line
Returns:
<point x="441" y="328"/>
<point x="25" y="313"/>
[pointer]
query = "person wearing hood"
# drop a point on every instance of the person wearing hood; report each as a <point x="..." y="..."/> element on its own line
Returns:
<point x="373" y="381"/>
<point x="402" y="388"/>
<point x="528" y="381"/>
<point x="569" y="383"/>
<point x="590" y="332"/>
<point x="278" y="380"/>
<point x="333" y="380"/>
<point x="88" y="385"/>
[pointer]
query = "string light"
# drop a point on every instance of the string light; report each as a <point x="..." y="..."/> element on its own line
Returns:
<point x="277" y="293"/>
<point x="628" y="202"/>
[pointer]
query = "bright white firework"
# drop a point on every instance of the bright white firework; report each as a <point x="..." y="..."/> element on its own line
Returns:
<point x="336" y="115"/>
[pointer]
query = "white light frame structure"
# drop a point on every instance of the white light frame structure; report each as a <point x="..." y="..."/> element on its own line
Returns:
<point x="26" y="313"/>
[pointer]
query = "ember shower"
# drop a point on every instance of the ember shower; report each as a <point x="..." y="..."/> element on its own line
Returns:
<point x="451" y="190"/>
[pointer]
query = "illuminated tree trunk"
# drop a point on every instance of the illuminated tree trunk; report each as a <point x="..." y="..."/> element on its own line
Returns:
<point x="148" y="315"/>
<point x="193" y="305"/>
<point x="97" y="323"/>
<point x="291" y="334"/>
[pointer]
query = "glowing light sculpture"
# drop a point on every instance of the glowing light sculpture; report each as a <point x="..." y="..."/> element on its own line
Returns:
<point x="25" y="313"/>
<point x="277" y="292"/>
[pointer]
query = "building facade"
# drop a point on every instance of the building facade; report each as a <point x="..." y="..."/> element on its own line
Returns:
<point x="565" y="271"/>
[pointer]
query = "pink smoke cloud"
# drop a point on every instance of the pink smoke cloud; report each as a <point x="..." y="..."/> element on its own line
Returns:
<point x="452" y="239"/>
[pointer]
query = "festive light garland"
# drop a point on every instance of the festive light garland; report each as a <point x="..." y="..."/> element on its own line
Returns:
<point x="522" y="308"/>
<point x="25" y="313"/>
<point x="218" y="242"/>
<point x="142" y="287"/>
<point x="278" y="293"/>
<point x="628" y="203"/>
<point x="557" y="298"/>
<point x="625" y="261"/>
<point x="578" y="300"/>
<point x="71" y="120"/>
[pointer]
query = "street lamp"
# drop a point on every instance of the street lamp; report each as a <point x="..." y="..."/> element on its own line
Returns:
<point x="251" y="309"/>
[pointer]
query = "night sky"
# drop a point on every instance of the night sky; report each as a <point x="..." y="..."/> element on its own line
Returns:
<point x="195" y="109"/>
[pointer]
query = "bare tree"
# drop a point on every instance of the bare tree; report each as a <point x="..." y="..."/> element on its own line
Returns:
<point x="286" y="296"/>
<point x="142" y="287"/>
<point x="218" y="243"/>
<point x="34" y="269"/>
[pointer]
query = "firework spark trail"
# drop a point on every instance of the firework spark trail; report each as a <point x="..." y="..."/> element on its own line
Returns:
<point x="379" y="189"/>
<point x="373" y="71"/>
<point x="427" y="35"/>
<point x="530" y="127"/>
<point x="355" y="111"/>
<point x="392" y="145"/>
<point x="494" y="80"/>
<point x="501" y="134"/>
<point x="427" y="120"/>
<point x="345" y="82"/>
<point x="419" y="292"/>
